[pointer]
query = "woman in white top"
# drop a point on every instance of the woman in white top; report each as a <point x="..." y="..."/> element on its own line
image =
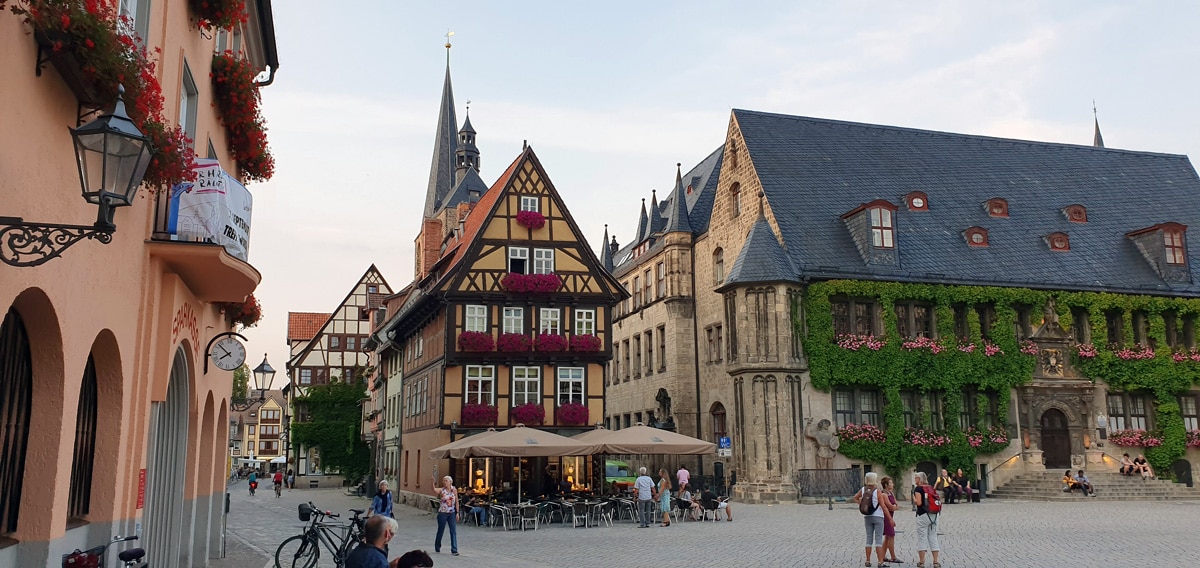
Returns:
<point x="874" y="521"/>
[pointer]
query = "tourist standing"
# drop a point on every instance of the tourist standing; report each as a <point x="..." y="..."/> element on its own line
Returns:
<point x="382" y="503"/>
<point x="447" y="496"/>
<point x="874" y="520"/>
<point x="927" y="538"/>
<point x="645" y="496"/>
<point x="664" y="496"/>
<point x="889" y="521"/>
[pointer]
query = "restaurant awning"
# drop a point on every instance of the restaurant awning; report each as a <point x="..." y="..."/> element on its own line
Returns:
<point x="517" y="441"/>
<point x="641" y="439"/>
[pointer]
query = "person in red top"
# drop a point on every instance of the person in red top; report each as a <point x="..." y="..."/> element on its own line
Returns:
<point x="278" y="480"/>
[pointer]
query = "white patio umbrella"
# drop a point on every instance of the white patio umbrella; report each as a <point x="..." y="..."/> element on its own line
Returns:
<point x="517" y="442"/>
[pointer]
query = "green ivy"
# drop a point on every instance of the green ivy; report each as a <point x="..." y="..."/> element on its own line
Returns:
<point x="334" y="426"/>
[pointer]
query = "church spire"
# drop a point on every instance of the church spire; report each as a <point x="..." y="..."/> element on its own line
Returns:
<point x="1097" y="139"/>
<point x="679" y="213"/>
<point x="605" y="253"/>
<point x="642" y="223"/>
<point x="441" y="170"/>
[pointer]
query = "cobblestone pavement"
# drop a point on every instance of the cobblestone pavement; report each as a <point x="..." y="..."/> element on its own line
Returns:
<point x="991" y="534"/>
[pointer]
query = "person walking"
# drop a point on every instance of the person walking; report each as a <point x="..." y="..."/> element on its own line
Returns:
<point x="873" y="521"/>
<point x="371" y="552"/>
<point x="645" y="495"/>
<point x="664" y="496"/>
<point x="447" y="496"/>
<point x="382" y="503"/>
<point x="927" y="528"/>
<point x="291" y="480"/>
<point x="889" y="522"/>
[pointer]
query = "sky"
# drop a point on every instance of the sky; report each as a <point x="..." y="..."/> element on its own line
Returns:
<point x="611" y="95"/>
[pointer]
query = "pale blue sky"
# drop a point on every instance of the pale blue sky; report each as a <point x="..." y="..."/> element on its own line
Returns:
<point x="612" y="94"/>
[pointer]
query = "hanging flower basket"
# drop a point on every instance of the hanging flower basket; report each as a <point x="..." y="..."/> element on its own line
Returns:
<point x="475" y="341"/>
<point x="476" y="414"/>
<point x="550" y="342"/>
<point x="585" y="342"/>
<point x="531" y="219"/>
<point x="514" y="343"/>
<point x="245" y="314"/>
<point x="219" y="14"/>
<point x="87" y="88"/>
<point x="529" y="414"/>
<point x="236" y="96"/>
<point x="572" y="413"/>
<point x="526" y="283"/>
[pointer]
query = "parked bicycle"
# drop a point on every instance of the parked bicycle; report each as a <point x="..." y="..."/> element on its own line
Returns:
<point x="303" y="550"/>
<point x="94" y="557"/>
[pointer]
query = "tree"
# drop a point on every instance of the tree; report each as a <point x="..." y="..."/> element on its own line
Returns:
<point x="241" y="384"/>
<point x="335" y="426"/>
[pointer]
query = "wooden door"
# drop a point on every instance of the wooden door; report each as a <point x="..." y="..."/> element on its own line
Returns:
<point x="1056" y="440"/>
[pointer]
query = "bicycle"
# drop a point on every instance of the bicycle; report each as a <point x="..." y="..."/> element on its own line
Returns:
<point x="278" y="490"/>
<point x="94" y="557"/>
<point x="303" y="550"/>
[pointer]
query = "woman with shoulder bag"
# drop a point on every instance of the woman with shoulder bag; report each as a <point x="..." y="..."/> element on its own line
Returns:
<point x="924" y="498"/>
<point x="872" y="504"/>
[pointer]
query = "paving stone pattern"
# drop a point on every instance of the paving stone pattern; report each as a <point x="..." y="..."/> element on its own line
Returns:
<point x="994" y="533"/>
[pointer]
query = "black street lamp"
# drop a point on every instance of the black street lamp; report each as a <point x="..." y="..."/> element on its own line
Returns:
<point x="264" y="374"/>
<point x="112" y="156"/>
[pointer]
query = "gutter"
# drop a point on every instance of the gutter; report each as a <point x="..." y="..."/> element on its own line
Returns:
<point x="266" y="22"/>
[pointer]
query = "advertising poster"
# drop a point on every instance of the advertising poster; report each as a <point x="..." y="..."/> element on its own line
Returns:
<point x="215" y="208"/>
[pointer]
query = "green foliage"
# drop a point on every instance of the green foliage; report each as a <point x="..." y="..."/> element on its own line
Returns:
<point x="335" y="426"/>
<point x="241" y="384"/>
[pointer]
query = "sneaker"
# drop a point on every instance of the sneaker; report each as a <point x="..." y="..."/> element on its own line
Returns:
<point x="454" y="554"/>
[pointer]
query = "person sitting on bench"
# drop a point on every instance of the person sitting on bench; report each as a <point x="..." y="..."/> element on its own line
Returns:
<point x="948" y="488"/>
<point x="964" y="484"/>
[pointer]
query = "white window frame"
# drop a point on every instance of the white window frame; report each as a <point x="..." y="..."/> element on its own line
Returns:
<point x="569" y="377"/>
<point x="530" y="203"/>
<point x="421" y="345"/>
<point x="475" y="318"/>
<point x="543" y="261"/>
<point x="514" y="320"/>
<point x="478" y="376"/>
<point x="527" y="385"/>
<point x="585" y="322"/>
<point x="883" y="231"/>
<point x="519" y="253"/>
<point x="549" y="321"/>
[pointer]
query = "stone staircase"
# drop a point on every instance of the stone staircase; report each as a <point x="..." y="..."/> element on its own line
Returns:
<point x="1047" y="486"/>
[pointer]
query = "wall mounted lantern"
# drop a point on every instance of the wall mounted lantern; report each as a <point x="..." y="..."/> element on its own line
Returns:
<point x="112" y="156"/>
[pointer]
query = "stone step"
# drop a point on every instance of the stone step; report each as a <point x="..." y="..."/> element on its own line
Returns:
<point x="1110" y="486"/>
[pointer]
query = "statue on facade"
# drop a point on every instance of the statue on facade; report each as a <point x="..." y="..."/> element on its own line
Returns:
<point x="664" y="403"/>
<point x="827" y="441"/>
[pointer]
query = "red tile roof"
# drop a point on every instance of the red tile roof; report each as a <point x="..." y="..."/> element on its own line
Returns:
<point x="482" y="211"/>
<point x="303" y="326"/>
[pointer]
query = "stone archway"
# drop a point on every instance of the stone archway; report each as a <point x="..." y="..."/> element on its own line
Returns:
<point x="1183" y="471"/>
<point x="1055" y="439"/>
<point x="165" y="464"/>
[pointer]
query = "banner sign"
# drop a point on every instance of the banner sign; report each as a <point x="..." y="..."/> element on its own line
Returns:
<point x="215" y="208"/>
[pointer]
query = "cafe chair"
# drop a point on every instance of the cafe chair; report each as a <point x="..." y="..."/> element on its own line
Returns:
<point x="499" y="516"/>
<point x="529" y="516"/>
<point x="709" y="506"/>
<point x="579" y="515"/>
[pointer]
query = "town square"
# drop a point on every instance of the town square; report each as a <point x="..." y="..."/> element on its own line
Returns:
<point x="301" y="284"/>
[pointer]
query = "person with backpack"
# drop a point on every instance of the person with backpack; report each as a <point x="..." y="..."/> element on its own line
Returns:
<point x="929" y="508"/>
<point x="874" y="516"/>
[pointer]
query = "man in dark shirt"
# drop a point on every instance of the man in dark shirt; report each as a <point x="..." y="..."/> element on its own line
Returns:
<point x="370" y="553"/>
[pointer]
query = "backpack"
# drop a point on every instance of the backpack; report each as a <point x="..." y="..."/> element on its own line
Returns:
<point x="933" y="503"/>
<point x="864" y="504"/>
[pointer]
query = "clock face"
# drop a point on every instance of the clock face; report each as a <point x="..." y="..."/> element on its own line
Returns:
<point x="228" y="353"/>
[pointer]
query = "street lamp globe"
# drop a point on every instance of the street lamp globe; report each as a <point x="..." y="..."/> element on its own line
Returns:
<point x="113" y="155"/>
<point x="264" y="374"/>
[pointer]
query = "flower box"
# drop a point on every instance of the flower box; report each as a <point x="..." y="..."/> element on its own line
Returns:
<point x="550" y="342"/>
<point x="531" y="219"/>
<point x="572" y="413"/>
<point x="245" y="314"/>
<point x="1134" y="438"/>
<point x="585" y="342"/>
<point x="219" y="14"/>
<point x="526" y="283"/>
<point x="87" y="87"/>
<point x="477" y="414"/>
<point x="853" y="342"/>
<point x="514" y="343"/>
<point x="529" y="414"/>
<point x="236" y="96"/>
<point x="861" y="433"/>
<point x="475" y="341"/>
<point x="1193" y="438"/>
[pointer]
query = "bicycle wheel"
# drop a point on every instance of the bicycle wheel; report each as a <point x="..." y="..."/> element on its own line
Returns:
<point x="297" y="552"/>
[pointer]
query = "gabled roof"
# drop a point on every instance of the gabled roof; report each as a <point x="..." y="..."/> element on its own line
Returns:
<point x="762" y="258"/>
<point x="315" y="339"/>
<point x="813" y="170"/>
<point x="480" y="214"/>
<point x="302" y="326"/>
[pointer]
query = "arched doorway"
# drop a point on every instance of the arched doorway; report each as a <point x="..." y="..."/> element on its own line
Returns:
<point x="1056" y="439"/>
<point x="1183" y="471"/>
<point x="16" y="394"/>
<point x="166" y="465"/>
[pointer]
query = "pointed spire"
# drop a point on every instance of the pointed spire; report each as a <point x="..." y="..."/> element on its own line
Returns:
<point x="441" y="170"/>
<point x="679" y="222"/>
<point x="1097" y="139"/>
<point x="643" y="222"/>
<point x="466" y="156"/>
<point x="657" y="221"/>
<point x="605" y="253"/>
<point x="613" y="247"/>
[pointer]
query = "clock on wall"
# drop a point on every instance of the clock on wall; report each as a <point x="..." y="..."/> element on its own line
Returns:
<point x="227" y="353"/>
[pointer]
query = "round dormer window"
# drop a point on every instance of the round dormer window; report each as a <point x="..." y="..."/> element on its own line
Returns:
<point x="918" y="203"/>
<point x="977" y="238"/>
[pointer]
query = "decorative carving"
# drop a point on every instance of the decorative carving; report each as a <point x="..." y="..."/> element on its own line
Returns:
<point x="1052" y="362"/>
<point x="27" y="245"/>
<point x="664" y="402"/>
<point x="827" y="441"/>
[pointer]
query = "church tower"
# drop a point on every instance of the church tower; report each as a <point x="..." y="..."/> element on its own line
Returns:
<point x="467" y="155"/>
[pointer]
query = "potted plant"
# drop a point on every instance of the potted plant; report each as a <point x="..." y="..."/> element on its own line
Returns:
<point x="585" y="342"/>
<point x="514" y="343"/>
<point x="572" y="413"/>
<point x="236" y="96"/>
<point x="550" y="342"/>
<point x="530" y="413"/>
<point x="245" y="314"/>
<point x="219" y="14"/>
<point x="531" y="220"/>
<point x="479" y="414"/>
<point x="475" y="341"/>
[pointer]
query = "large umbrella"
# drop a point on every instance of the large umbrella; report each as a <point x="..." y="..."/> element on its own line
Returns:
<point x="641" y="439"/>
<point x="517" y="441"/>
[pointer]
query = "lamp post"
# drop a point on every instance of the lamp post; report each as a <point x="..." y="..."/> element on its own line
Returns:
<point x="264" y="374"/>
<point x="112" y="155"/>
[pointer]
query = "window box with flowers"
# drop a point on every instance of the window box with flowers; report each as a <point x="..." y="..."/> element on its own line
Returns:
<point x="531" y="220"/>
<point x="514" y="343"/>
<point x="529" y="414"/>
<point x="585" y="342"/>
<point x="550" y="342"/>
<point x="1193" y="439"/>
<point x="475" y="341"/>
<point x="478" y="414"/>
<point x="235" y="94"/>
<point x="243" y="314"/>
<point x="1135" y="438"/>
<point x="219" y="14"/>
<point x="526" y="283"/>
<point x="84" y="41"/>
<point x="988" y="440"/>
<point x="572" y="413"/>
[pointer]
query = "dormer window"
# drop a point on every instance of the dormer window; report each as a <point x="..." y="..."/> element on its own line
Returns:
<point x="1164" y="246"/>
<point x="1075" y="213"/>
<point x="996" y="207"/>
<point x="882" y="232"/>
<point x="1058" y="241"/>
<point x="976" y="237"/>
<point x="873" y="228"/>
<point x="917" y="201"/>
<point x="1173" y="243"/>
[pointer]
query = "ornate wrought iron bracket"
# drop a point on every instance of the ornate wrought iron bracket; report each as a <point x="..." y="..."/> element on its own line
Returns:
<point x="243" y="406"/>
<point x="32" y="244"/>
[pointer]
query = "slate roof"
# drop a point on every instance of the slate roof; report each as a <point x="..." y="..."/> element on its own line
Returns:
<point x="814" y="170"/>
<point x="762" y="258"/>
<point x="445" y="144"/>
<point x="461" y="193"/>
<point x="303" y="326"/>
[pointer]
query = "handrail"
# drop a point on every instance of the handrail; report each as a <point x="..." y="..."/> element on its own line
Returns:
<point x="988" y="473"/>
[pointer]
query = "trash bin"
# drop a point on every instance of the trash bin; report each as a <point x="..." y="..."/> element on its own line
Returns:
<point x="980" y="491"/>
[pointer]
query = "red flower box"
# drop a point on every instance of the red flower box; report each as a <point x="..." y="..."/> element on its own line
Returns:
<point x="585" y="342"/>
<point x="514" y="343"/>
<point x="572" y="413"/>
<point x="235" y="94"/>
<point x="219" y="14"/>
<point x="531" y="219"/>
<point x="550" y="342"/>
<point x="245" y="314"/>
<point x="532" y="413"/>
<point x="525" y="283"/>
<point x="475" y="341"/>
<point x="476" y="414"/>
